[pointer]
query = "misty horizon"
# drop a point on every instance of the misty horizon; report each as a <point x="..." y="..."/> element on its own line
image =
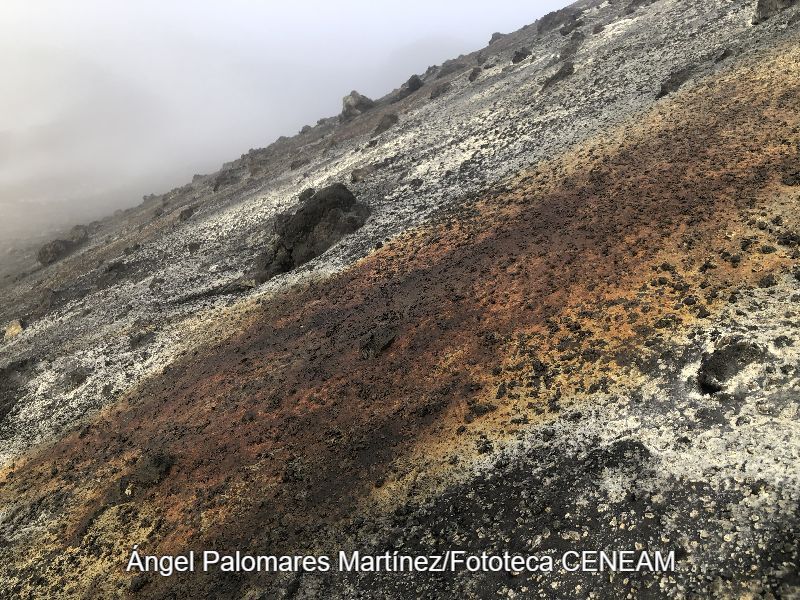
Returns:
<point x="108" y="102"/>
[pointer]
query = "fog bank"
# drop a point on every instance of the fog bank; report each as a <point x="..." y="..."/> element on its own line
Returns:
<point x="105" y="101"/>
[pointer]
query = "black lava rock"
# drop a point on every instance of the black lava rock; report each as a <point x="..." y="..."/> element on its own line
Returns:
<point x="730" y="357"/>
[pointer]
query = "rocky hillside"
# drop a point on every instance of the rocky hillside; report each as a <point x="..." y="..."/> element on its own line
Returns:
<point x="543" y="297"/>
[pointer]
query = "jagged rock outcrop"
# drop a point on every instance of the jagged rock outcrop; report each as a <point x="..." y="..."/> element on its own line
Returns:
<point x="413" y="84"/>
<point x="558" y="18"/>
<point x="355" y="104"/>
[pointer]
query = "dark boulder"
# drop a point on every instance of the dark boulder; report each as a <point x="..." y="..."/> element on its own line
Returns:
<point x="571" y="26"/>
<point x="57" y="249"/>
<point x="635" y="5"/>
<point x="186" y="213"/>
<point x="768" y="281"/>
<point x="151" y="469"/>
<point x="353" y="105"/>
<point x="13" y="378"/>
<point x="731" y="356"/>
<point x="566" y="70"/>
<point x="791" y="176"/>
<point x="276" y="259"/>
<point x="414" y="83"/>
<point x="388" y="121"/>
<point x="54" y="251"/>
<point x="520" y="55"/>
<point x="768" y="8"/>
<point x="76" y="378"/>
<point x="475" y="73"/>
<point x="322" y="220"/>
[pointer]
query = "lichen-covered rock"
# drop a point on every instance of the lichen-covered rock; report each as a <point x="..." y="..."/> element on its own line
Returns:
<point x="353" y="105"/>
<point x="12" y="330"/>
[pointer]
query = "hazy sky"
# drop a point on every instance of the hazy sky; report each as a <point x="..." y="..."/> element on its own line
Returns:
<point x="102" y="101"/>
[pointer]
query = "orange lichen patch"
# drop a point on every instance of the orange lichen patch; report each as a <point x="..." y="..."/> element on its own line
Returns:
<point x="484" y="322"/>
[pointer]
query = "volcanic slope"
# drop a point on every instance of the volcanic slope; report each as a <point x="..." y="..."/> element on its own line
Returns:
<point x="588" y="340"/>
